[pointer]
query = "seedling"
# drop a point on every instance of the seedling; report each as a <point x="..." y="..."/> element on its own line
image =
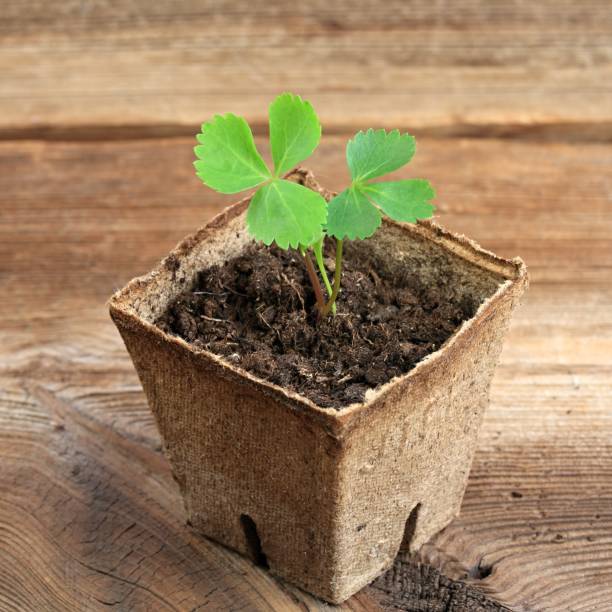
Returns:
<point x="293" y="216"/>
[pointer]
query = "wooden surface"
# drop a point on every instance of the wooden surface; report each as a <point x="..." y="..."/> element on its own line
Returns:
<point x="89" y="512"/>
<point x="96" y="184"/>
<point x="452" y="66"/>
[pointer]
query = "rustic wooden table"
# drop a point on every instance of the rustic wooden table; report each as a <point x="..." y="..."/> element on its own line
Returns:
<point x="512" y="107"/>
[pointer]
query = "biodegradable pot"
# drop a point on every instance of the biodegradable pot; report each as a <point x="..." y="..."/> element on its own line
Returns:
<point x="325" y="497"/>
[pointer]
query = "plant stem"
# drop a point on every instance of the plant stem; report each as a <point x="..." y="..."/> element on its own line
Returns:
<point x="314" y="280"/>
<point x="317" y="247"/>
<point x="337" y="276"/>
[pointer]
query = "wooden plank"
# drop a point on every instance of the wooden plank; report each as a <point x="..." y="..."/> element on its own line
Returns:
<point x="89" y="515"/>
<point x="548" y="203"/>
<point x="473" y="66"/>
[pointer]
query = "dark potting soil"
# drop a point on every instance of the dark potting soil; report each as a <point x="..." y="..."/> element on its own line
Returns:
<point x="257" y="311"/>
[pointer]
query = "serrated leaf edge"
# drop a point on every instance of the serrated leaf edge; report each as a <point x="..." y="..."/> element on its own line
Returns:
<point x="247" y="163"/>
<point x="363" y="187"/>
<point x="292" y="96"/>
<point x="357" y="235"/>
<point x="362" y="134"/>
<point x="290" y="243"/>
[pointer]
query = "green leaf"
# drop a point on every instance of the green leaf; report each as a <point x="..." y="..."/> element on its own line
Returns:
<point x="406" y="200"/>
<point x="350" y="214"/>
<point x="228" y="160"/>
<point x="286" y="213"/>
<point x="374" y="153"/>
<point x="295" y="131"/>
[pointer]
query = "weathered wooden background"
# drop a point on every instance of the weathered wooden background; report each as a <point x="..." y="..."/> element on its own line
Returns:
<point x="512" y="103"/>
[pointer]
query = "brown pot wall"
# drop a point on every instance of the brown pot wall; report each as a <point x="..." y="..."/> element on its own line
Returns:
<point x="330" y="492"/>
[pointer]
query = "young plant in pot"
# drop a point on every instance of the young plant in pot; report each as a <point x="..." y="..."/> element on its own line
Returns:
<point x="318" y="365"/>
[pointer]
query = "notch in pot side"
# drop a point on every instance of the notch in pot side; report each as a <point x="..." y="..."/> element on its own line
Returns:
<point x="330" y="491"/>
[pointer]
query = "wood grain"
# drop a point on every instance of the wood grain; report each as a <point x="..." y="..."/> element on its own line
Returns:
<point x="468" y="67"/>
<point x="89" y="515"/>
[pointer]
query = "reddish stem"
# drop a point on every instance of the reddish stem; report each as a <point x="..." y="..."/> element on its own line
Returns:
<point x="314" y="281"/>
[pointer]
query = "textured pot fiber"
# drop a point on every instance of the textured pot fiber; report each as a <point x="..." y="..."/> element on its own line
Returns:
<point x="326" y="496"/>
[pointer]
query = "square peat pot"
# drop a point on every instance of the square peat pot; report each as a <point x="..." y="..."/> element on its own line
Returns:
<point x="325" y="497"/>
